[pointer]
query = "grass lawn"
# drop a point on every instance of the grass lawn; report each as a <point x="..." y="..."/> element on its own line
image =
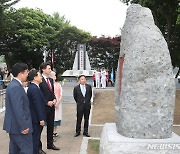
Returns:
<point x="93" y="146"/>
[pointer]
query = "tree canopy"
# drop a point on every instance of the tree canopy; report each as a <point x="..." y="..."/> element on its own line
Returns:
<point x="104" y="52"/>
<point x="28" y="32"/>
<point x="5" y="4"/>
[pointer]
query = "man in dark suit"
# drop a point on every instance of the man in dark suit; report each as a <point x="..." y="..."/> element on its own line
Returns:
<point x="82" y="94"/>
<point x="17" y="121"/>
<point x="47" y="88"/>
<point x="37" y="109"/>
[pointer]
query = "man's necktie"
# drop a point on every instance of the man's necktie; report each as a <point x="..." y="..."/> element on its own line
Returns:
<point x="48" y="83"/>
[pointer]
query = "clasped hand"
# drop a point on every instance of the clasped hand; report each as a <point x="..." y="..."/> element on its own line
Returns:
<point x="51" y="103"/>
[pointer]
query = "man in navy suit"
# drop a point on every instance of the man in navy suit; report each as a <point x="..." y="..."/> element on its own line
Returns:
<point x="17" y="121"/>
<point x="37" y="109"/>
<point x="47" y="88"/>
<point x="82" y="94"/>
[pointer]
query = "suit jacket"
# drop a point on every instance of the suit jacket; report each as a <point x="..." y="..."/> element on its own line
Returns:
<point x="83" y="102"/>
<point x="17" y="114"/>
<point x="36" y="103"/>
<point x="47" y="93"/>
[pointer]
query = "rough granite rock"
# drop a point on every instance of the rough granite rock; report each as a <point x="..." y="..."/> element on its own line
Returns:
<point x="145" y="106"/>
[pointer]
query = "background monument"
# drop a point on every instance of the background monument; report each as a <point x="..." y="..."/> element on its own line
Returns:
<point x="81" y="66"/>
<point x="145" y="91"/>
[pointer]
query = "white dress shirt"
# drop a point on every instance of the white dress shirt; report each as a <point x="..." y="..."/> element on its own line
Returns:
<point x="83" y="89"/>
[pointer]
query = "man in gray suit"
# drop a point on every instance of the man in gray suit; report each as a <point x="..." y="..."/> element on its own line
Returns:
<point x="17" y="121"/>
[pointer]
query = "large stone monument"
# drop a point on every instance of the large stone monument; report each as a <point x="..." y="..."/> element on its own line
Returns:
<point x="145" y="91"/>
<point x="81" y="65"/>
<point x="81" y="61"/>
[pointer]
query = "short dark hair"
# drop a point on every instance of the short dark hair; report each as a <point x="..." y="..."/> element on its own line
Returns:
<point x="44" y="66"/>
<point x="81" y="76"/>
<point x="19" y="68"/>
<point x="32" y="73"/>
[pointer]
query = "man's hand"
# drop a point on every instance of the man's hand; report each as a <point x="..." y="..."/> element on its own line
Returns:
<point x="26" y="131"/>
<point x="42" y="123"/>
<point x="50" y="103"/>
<point x="54" y="102"/>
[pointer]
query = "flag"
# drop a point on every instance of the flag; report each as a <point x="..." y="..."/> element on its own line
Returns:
<point x="112" y="75"/>
<point x="52" y="58"/>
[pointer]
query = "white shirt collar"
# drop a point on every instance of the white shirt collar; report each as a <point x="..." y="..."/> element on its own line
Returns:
<point x="18" y="80"/>
<point x="35" y="84"/>
<point x="45" y="77"/>
<point x="82" y="85"/>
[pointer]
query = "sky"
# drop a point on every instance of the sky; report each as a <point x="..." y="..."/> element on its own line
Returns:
<point x="99" y="17"/>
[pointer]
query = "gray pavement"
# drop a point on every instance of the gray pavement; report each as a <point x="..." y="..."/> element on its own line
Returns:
<point x="67" y="142"/>
<point x="67" y="95"/>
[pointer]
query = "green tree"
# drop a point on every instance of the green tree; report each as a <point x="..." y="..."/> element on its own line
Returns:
<point x="24" y="36"/>
<point x="5" y="4"/>
<point x="29" y="32"/>
<point x="104" y="52"/>
<point x="65" y="48"/>
<point x="26" y="33"/>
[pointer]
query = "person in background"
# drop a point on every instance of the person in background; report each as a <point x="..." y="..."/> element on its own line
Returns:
<point x="25" y="85"/>
<point x="17" y="121"/>
<point x="82" y="95"/>
<point x="7" y="78"/>
<point x="58" y="106"/>
<point x="1" y="79"/>
<point x="47" y="88"/>
<point x="107" y="77"/>
<point x="98" y="76"/>
<point x="94" y="78"/>
<point x="103" y="78"/>
<point x="37" y="109"/>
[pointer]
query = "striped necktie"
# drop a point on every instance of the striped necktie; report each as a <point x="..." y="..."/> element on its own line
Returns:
<point x="49" y="84"/>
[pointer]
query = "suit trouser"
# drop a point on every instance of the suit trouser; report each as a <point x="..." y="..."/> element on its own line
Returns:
<point x="37" y="129"/>
<point x="20" y="144"/>
<point x="80" y="114"/>
<point x="50" y="127"/>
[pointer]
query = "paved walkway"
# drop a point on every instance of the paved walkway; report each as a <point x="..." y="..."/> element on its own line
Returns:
<point x="67" y="142"/>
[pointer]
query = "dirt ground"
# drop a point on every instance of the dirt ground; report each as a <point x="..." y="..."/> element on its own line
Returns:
<point x="104" y="112"/>
<point x="103" y="108"/>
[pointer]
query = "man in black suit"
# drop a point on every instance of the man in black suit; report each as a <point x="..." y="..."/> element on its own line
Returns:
<point x="82" y="94"/>
<point x="37" y="109"/>
<point x="47" y="88"/>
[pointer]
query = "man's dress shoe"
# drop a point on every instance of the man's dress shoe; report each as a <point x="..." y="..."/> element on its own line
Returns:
<point x="53" y="147"/>
<point x="41" y="152"/>
<point x="86" y="134"/>
<point x="77" y="134"/>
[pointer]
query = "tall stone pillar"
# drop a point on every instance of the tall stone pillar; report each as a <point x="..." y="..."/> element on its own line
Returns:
<point x="146" y="103"/>
<point x="145" y="91"/>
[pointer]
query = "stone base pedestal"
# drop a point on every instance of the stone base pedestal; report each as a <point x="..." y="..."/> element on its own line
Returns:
<point x="112" y="142"/>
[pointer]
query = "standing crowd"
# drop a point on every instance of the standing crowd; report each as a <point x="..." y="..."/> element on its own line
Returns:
<point x="33" y="100"/>
<point x="5" y="77"/>
<point x="100" y="78"/>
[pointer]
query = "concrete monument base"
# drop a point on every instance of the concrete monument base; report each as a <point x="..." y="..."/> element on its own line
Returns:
<point x="112" y="142"/>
